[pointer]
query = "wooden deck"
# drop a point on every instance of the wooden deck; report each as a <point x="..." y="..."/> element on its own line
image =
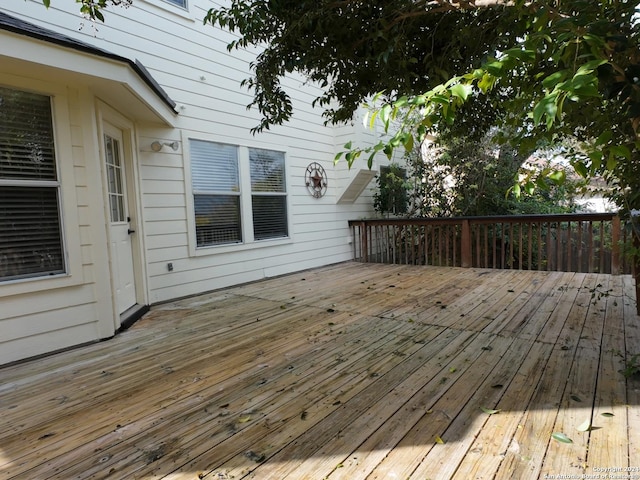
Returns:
<point x="351" y="371"/>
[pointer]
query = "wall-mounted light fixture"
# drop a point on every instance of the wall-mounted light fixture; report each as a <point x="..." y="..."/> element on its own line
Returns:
<point x="157" y="146"/>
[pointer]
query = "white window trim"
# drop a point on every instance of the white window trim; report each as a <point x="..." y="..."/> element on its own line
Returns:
<point x="68" y="204"/>
<point x="248" y="242"/>
<point x="184" y="12"/>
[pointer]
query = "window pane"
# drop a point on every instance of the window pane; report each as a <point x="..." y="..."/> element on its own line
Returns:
<point x="214" y="167"/>
<point x="267" y="170"/>
<point x="26" y="136"/>
<point x="30" y="241"/>
<point x="269" y="216"/>
<point x="217" y="219"/>
<point x="178" y="3"/>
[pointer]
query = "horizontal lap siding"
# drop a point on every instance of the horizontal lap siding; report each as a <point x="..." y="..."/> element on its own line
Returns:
<point x="190" y="61"/>
<point x="204" y="80"/>
<point x="33" y="323"/>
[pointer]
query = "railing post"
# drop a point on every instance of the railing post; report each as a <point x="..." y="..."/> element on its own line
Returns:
<point x="465" y="254"/>
<point x="636" y="265"/>
<point x="615" y="245"/>
<point x="364" y="245"/>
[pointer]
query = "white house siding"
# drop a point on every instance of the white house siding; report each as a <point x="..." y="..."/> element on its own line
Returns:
<point x="191" y="63"/>
<point x="45" y="315"/>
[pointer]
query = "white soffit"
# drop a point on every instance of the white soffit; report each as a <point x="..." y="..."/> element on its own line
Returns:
<point x="114" y="82"/>
<point x="357" y="185"/>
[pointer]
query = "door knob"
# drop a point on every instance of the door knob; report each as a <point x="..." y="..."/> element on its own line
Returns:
<point x="129" y="231"/>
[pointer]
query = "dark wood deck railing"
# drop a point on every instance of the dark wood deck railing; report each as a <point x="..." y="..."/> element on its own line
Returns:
<point x="568" y="242"/>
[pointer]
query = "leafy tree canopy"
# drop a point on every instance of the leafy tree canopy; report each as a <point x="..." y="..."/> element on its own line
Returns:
<point x="548" y="69"/>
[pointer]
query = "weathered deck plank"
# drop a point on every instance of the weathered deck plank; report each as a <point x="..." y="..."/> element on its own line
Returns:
<point x="350" y="371"/>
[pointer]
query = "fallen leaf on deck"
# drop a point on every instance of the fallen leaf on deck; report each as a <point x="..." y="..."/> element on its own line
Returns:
<point x="561" y="437"/>
<point x="439" y="440"/>
<point x="244" y="419"/>
<point x="489" y="410"/>
<point x="584" y="426"/>
<point x="607" y="414"/>
<point x="256" y="457"/>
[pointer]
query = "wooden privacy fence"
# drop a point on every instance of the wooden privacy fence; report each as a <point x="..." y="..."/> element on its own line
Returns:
<point x="588" y="242"/>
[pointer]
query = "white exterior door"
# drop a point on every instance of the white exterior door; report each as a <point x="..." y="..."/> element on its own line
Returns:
<point x="122" y="265"/>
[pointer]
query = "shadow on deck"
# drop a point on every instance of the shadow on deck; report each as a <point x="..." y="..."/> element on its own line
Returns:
<point x="350" y="371"/>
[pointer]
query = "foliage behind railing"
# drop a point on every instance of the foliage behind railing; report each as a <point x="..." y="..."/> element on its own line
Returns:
<point x="566" y="242"/>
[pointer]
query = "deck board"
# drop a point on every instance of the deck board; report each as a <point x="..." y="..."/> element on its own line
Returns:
<point x="351" y="371"/>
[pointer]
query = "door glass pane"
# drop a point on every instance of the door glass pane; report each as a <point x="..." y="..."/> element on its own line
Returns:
<point x="114" y="179"/>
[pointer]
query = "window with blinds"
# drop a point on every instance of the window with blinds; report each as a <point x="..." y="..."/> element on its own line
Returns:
<point x="30" y="230"/>
<point x="221" y="205"/>
<point x="178" y="3"/>
<point x="216" y="193"/>
<point x="268" y="194"/>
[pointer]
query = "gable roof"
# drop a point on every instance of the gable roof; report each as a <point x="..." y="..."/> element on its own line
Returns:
<point x="21" y="27"/>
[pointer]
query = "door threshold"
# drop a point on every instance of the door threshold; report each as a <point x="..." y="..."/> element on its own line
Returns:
<point x="131" y="316"/>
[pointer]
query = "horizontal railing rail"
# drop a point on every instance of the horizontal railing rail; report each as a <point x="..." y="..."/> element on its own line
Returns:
<point x="586" y="242"/>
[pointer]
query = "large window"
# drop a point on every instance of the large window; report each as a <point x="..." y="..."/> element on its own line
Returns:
<point x="231" y="207"/>
<point x="30" y="231"/>
<point x="268" y="194"/>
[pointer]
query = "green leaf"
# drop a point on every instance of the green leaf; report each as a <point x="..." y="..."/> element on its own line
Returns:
<point x="561" y="437"/>
<point x="439" y="440"/>
<point x="607" y="414"/>
<point x="516" y="190"/>
<point x="604" y="137"/>
<point x="461" y="91"/>
<point x="338" y="157"/>
<point x="489" y="411"/>
<point x="402" y="102"/>
<point x="47" y="3"/>
<point x="558" y="177"/>
<point x="581" y="169"/>
<point x="370" y="160"/>
<point x="523" y="55"/>
<point x="408" y="142"/>
<point x="529" y="187"/>
<point x="441" y="99"/>
<point x="590" y="66"/>
<point x="621" y="151"/>
<point x="596" y="160"/>
<point x="486" y="83"/>
<point x="553" y="79"/>
<point x="546" y="107"/>
<point x="385" y="116"/>
<point x="347" y="146"/>
<point x="494" y="68"/>
<point x="372" y="120"/>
